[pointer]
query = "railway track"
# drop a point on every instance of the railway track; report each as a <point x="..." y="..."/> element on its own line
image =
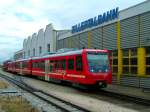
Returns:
<point x="60" y="104"/>
<point x="114" y="95"/>
<point x="124" y="97"/>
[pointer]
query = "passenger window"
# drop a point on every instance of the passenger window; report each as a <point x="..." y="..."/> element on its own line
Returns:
<point x="58" y="65"/>
<point x="51" y="66"/>
<point x="63" y="64"/>
<point x="43" y="65"/>
<point x="71" y="64"/>
<point x="79" y="63"/>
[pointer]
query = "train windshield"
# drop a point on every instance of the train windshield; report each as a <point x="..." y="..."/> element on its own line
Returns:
<point x="98" y="62"/>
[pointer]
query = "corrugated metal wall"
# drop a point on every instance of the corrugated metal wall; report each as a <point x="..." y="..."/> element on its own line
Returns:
<point x="96" y="38"/>
<point x="145" y="29"/>
<point x="129" y="81"/>
<point x="145" y="83"/>
<point x="110" y="37"/>
<point x="135" y="81"/>
<point x="84" y="40"/>
<point x="134" y="32"/>
<point x="75" y="41"/>
<point x="60" y="44"/>
<point x="129" y="32"/>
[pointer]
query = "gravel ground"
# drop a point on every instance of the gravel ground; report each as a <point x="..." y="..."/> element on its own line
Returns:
<point x="35" y="102"/>
<point x="88" y="100"/>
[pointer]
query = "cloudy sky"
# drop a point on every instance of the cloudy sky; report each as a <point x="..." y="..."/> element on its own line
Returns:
<point x="21" y="18"/>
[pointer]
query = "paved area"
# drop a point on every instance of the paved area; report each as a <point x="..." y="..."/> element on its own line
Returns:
<point x="139" y="92"/>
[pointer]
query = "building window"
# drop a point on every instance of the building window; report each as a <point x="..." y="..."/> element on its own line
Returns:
<point x="48" y="47"/>
<point x="24" y="54"/>
<point x="40" y="50"/>
<point x="33" y="51"/>
<point x="28" y="52"/>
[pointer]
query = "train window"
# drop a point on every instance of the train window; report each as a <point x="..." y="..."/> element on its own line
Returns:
<point x="51" y="66"/>
<point x="33" y="64"/>
<point x="42" y="65"/>
<point x="17" y="65"/>
<point x="63" y="64"/>
<point x="71" y="64"/>
<point x="57" y="65"/>
<point x="36" y="64"/>
<point x="79" y="63"/>
<point x="24" y="65"/>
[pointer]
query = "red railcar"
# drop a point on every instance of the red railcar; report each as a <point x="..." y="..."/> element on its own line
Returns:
<point x="11" y="66"/>
<point x="5" y="65"/>
<point x="84" y="67"/>
<point x="23" y="67"/>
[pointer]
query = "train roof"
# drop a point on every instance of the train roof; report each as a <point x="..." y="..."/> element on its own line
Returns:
<point x="69" y="53"/>
<point x="63" y="54"/>
<point x="23" y="59"/>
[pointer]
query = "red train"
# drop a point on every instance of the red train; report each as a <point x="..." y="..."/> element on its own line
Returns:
<point x="83" y="67"/>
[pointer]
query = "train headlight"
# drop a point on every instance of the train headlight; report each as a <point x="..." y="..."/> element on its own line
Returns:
<point x="106" y="70"/>
<point x="92" y="70"/>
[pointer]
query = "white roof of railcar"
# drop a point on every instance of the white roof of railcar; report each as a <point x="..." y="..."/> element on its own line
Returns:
<point x="61" y="54"/>
<point x="23" y="59"/>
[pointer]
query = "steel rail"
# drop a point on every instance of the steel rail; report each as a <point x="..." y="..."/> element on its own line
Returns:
<point x="64" y="106"/>
<point x="125" y="97"/>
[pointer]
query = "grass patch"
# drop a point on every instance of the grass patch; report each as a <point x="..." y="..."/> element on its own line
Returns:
<point x="16" y="104"/>
<point x="3" y="84"/>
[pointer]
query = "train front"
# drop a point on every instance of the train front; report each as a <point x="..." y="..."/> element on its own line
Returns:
<point x="98" y="67"/>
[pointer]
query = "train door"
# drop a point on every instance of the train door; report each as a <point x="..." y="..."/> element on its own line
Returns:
<point x="79" y="67"/>
<point x="71" y="68"/>
<point x="21" y="68"/>
<point x="46" y="70"/>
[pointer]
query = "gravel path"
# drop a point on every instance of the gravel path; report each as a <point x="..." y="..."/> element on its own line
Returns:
<point x="89" y="101"/>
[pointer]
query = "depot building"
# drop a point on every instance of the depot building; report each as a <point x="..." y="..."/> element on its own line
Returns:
<point x="125" y="33"/>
